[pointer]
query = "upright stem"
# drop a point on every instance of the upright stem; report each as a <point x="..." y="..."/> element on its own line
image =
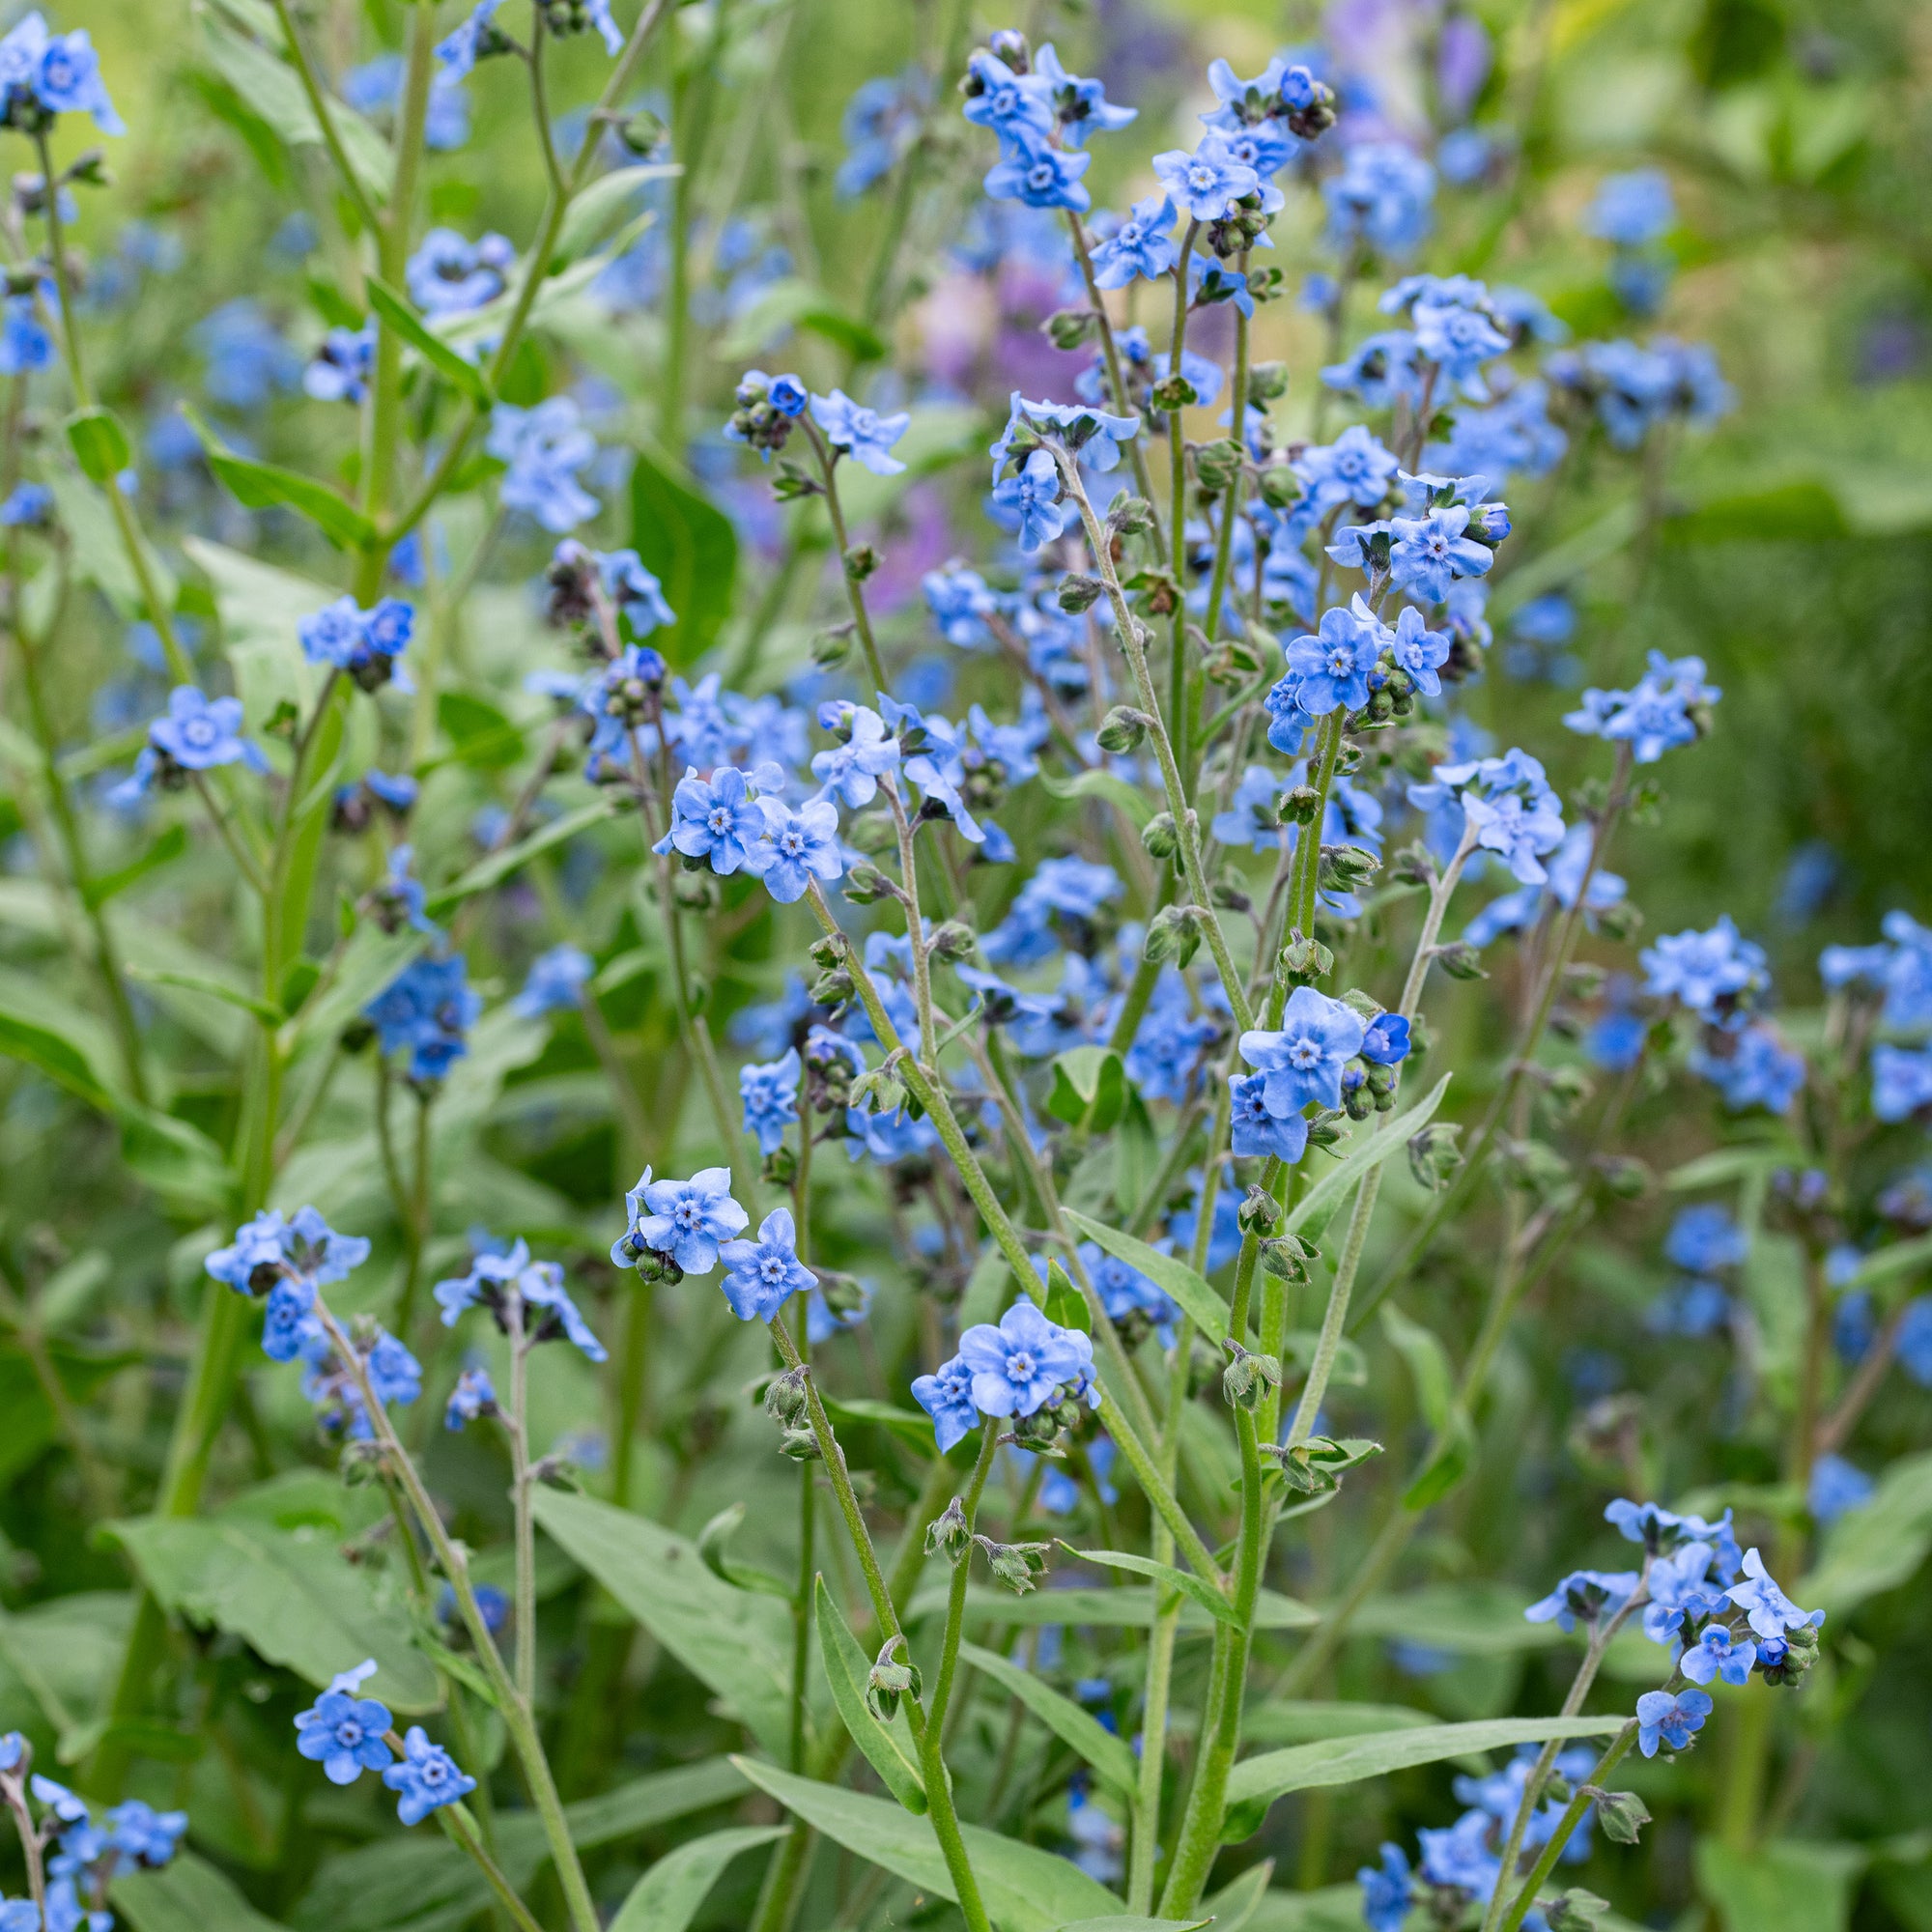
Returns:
<point x="1177" y="510"/>
<point x="520" y="1504"/>
<point x="855" y="595"/>
<point x="1573" y="1816"/>
<point x="1117" y="382"/>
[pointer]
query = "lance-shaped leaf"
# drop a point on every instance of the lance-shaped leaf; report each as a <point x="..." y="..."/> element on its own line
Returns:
<point x="887" y="1747"/>
<point x="1315" y="1208"/>
<point x="1107" y="1753"/>
<point x="667" y="1898"/>
<point x="1196" y="1589"/>
<point x="397" y="314"/>
<point x="1202" y="1306"/>
<point x="261" y="486"/>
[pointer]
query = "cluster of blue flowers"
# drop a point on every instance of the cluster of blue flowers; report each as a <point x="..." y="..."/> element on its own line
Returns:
<point x="1027" y="1370"/>
<point x="348" y="1734"/>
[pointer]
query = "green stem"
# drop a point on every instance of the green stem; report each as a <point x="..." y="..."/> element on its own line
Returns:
<point x="324" y="119"/>
<point x="855" y="595"/>
<point x="1176" y="514"/>
<point x="526" y="1611"/>
<point x="1117" y="382"/>
<point x="1231" y="504"/>
<point x="1573" y="1815"/>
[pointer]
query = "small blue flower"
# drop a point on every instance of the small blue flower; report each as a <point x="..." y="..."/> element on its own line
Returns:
<point x="427" y="1010"/>
<point x="456" y="52"/>
<point x="880" y="124"/>
<point x="1385" y="1042"/>
<point x="61" y="70"/>
<point x="1719" y="1653"/>
<point x="1901" y="1081"/>
<point x="769" y="1096"/>
<point x="1705" y="1238"/>
<point x="802" y="844"/>
<point x="1031" y="501"/>
<point x="1080" y="106"/>
<point x="1040" y="176"/>
<point x="1768" y="1611"/>
<point x="1205" y="185"/>
<point x="28" y="506"/>
<point x="138" y="1831"/>
<point x="1354" y="469"/>
<point x="718" y="819"/>
<point x="1584" y="1596"/>
<point x="1631" y="210"/>
<point x="1667" y="707"/>
<point x="1380" y="198"/>
<point x="1712" y="974"/>
<point x="863" y="434"/>
<point x="426" y="1779"/>
<point x="947" y="1396"/>
<point x="760" y="1275"/>
<point x="196" y="734"/>
<point x="1141" y="247"/>
<point x="1837" y="1489"/>
<point x="1303" y="1061"/>
<point x="1014" y="106"/>
<point x="1255" y="1130"/>
<point x="474" y="1397"/>
<point x="557" y="980"/>
<point x="1419" y="652"/>
<point x="1671" y="1719"/>
<point x="1025" y="1362"/>
<point x="1430" y="552"/>
<point x="1458" y="339"/>
<point x="344" y="1733"/>
<point x="1679" y="1591"/>
<point x="1331" y="667"/>
<point x="636" y="592"/>
<point x="1386" y="1891"/>
<point x="688" y="1219"/>
<point x="449" y="275"/>
<point x="544" y="448"/>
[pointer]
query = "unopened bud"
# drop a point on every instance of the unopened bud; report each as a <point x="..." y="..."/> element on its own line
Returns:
<point x="954" y="940"/>
<point x="1172" y="934"/>
<point x="1247" y="1379"/>
<point x="1622" y="1814"/>
<point x="861" y="561"/>
<point x="831" y="649"/>
<point x="1304" y="960"/>
<point x="1173" y="393"/>
<point x="1460" y="960"/>
<point x="1159" y="836"/>
<point x="888" y="1679"/>
<point x="786" y="1399"/>
<point x="1279" y="486"/>
<point x="1259" y="1212"/>
<point x="866" y="884"/>
<point x="832" y="989"/>
<point x="1121" y="730"/>
<point x="1126" y="515"/>
<point x="1218" y="465"/>
<point x="947" y="1532"/>
<point x="1066" y="329"/>
<point x="1266" y="382"/>
<point x="1299" y="805"/>
<point x="1015" y="1564"/>
<point x="779" y="1166"/>
<point x="1079" y="592"/>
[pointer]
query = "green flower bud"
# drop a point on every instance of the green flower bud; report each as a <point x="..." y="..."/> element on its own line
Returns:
<point x="1304" y="960"/>
<point x="1173" y="393"/>
<point x="779" y="1166"/>
<point x="1247" y="1379"/>
<point x="888" y="1679"/>
<point x="1172" y="934"/>
<point x="1460" y="960"/>
<point x="786" y="1399"/>
<point x="861" y="561"/>
<point x="1259" y="1212"/>
<point x="1128" y="516"/>
<point x="1015" y="1564"/>
<point x="1080" y="592"/>
<point x="831" y="649"/>
<point x="1066" y="329"/>
<point x="954" y="940"/>
<point x="1622" y="1814"/>
<point x="1218" y="465"/>
<point x="1343" y="868"/>
<point x="866" y="885"/>
<point x="947" y="1532"/>
<point x="1121" y="730"/>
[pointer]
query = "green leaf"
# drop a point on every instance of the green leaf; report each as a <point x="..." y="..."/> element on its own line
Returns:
<point x="1878" y="1546"/>
<point x="667" y="1898"/>
<point x="1805" y="511"/>
<point x="427" y="1885"/>
<point x="50" y="1053"/>
<point x="260" y="606"/>
<point x="887" y="1747"/>
<point x="1202" y="1304"/>
<point x="100" y="444"/>
<point x="259" y="485"/>
<point x="1135" y="804"/>
<point x="397" y="314"/>
<point x="1025" y="1889"/>
<point x="1090" y="1088"/>
<point x="1196" y="1589"/>
<point x="215" y="990"/>
<point x="1064" y="1303"/>
<point x="1447" y="1466"/>
<point x="498" y="865"/>
<point x="1782" y="1884"/>
<point x="1317" y="1207"/>
<point x="186" y="1895"/>
<point x="1889" y="1263"/>
<point x="1287" y="1721"/>
<point x="603" y="207"/>
<point x="1107" y="1753"/>
<point x="291" y="1597"/>
<point x="1349" y="1760"/>
<point x="271" y="90"/>
<point x="735" y="1644"/>
<point x="1125" y="1921"/>
<point x="1476" y="1619"/>
<point x="911" y="1426"/>
<point x="1128" y="1608"/>
<point x="1238" y="1901"/>
<point x="480" y="733"/>
<point x="1426" y="1360"/>
<point x="690" y="548"/>
<point x="171" y="843"/>
<point x="98" y="553"/>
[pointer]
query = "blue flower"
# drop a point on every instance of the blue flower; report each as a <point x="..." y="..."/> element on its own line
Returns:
<point x="1255" y="1130"/>
<point x="802" y="844"/>
<point x="1667" y="707"/>
<point x="1768" y="1611"/>
<point x="138" y="1831"/>
<point x="61" y="72"/>
<point x="24" y="345"/>
<point x="28" y="506"/>
<point x="364" y="643"/>
<point x="1631" y="210"/>
<point x="1584" y="1596"/>
<point x="339" y="370"/>
<point x="426" y="1778"/>
<point x="1030" y="171"/>
<point x="426" y="1011"/>
<point x="1250" y="818"/>
<point x="1705" y="1238"/>
<point x="1692" y="1308"/>
<point x="1428" y="553"/>
<point x="1141" y="245"/>
<point x="1385" y="1042"/>
<point x="1382" y="371"/>
<point x="1205" y="185"/>
<point x="851" y="770"/>
<point x="864" y="435"/>
<point x="395" y="1375"/>
<point x="544" y="447"/>
<point x="249" y="361"/>
<point x="457" y="52"/>
<point x="1015" y="106"/>
<point x="474" y="1397"/>
<point x="636" y="592"/>
<point x="880" y="124"/>
<point x="1025" y="1362"/>
<point x="1837" y="1489"/>
<point x="769" y="1094"/>
<point x="1081" y="107"/>
<point x="268" y="1250"/>
<point x="557" y="980"/>
<point x="1901" y="1081"/>
<point x="1386" y="1890"/>
<point x="449" y="275"/>
<point x="344" y="1733"/>
<point x="718" y="819"/>
<point x="1719" y="1652"/>
<point x="947" y="1396"/>
<point x="1210" y="283"/>
<point x="1677" y="1590"/>
<point x="1303" y="1061"/>
<point x="759" y="1275"/>
<point x="1031" y="501"/>
<point x="1331" y="667"/>
<point x="1713" y="973"/>
<point x="1354" y="469"/>
<point x="1458" y="339"/>
<point x="1380" y="198"/>
<point x="688" y="1219"/>
<point x="196" y="734"/>
<point x="1671" y="1719"/>
<point x="1419" y="652"/>
<point x="545" y="1308"/>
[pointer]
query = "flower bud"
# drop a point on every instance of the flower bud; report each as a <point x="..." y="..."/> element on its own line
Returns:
<point x="1342" y="868"/>
<point x="888" y="1679"/>
<point x="861" y="561"/>
<point x="1015" y="1564"/>
<point x="1173" y="394"/>
<point x="1067" y="328"/>
<point x="1326" y="1129"/>
<point x="1623" y="1176"/>
<point x="830" y="950"/>
<point x="1279" y="486"/>
<point x="1128" y="516"/>
<point x="1121" y="730"/>
<point x="1460" y="960"/>
<point x="1172" y="934"/>
<point x="831" y="649"/>
<point x="1010" y="45"/>
<point x="779" y="1167"/>
<point x="695" y="891"/>
<point x="786" y="1399"/>
<point x="866" y="884"/>
<point x="1218" y="465"/>
<point x="1413" y="865"/>
<point x="801" y="1445"/>
<point x="1159" y="836"/>
<point x="1304" y="960"/>
<point x="1578" y="1909"/>
<point x="1079" y="592"/>
<point x="1247" y="1379"/>
<point x="947" y="1532"/>
<point x="832" y="989"/>
<point x="1285" y="1256"/>
<point x="1622" y="1814"/>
